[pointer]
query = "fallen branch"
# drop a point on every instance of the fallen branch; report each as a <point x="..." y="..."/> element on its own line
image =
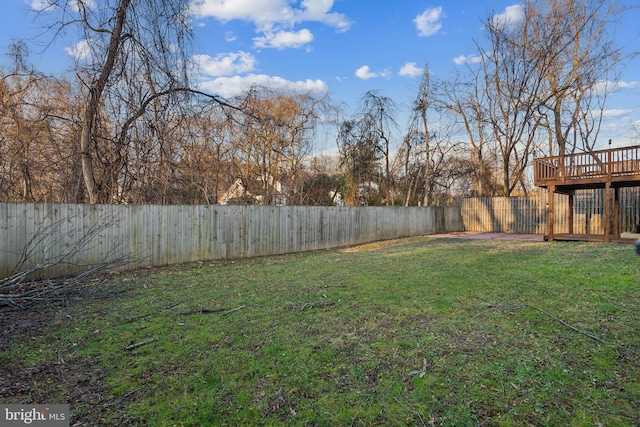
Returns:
<point x="421" y="373"/>
<point x="169" y="307"/>
<point x="562" y="322"/>
<point x="140" y="344"/>
<point x="203" y="310"/>
<point x="44" y="271"/>
<point x="142" y="316"/>
<point x="134" y="318"/>
<point x="232" y="310"/>
<point x="501" y="308"/>
<point x="593" y="337"/>
<point x="317" y="304"/>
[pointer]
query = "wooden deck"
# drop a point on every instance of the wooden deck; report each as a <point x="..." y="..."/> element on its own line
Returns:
<point x="565" y="237"/>
<point x="608" y="169"/>
<point x="619" y="167"/>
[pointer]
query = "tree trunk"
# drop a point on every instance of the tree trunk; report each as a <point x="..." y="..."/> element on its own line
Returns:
<point x="93" y="104"/>
<point x="557" y="117"/>
<point x="423" y="115"/>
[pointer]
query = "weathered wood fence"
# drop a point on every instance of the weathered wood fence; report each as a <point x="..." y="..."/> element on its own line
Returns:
<point x="163" y="235"/>
<point x="529" y="214"/>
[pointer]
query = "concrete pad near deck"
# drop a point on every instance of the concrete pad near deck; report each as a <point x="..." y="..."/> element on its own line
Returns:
<point x="474" y="235"/>
<point x="634" y="236"/>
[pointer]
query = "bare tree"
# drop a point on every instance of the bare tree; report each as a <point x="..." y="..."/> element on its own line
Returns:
<point x="132" y="53"/>
<point x="512" y="84"/>
<point x="322" y="183"/>
<point x="272" y="138"/>
<point x="359" y="160"/>
<point x="571" y="42"/>
<point x="412" y="164"/>
<point x="376" y="123"/>
<point x="545" y="77"/>
<point x="39" y="132"/>
<point x="465" y="99"/>
<point x="427" y="171"/>
<point x="364" y="141"/>
<point x="206" y="164"/>
<point x="421" y="108"/>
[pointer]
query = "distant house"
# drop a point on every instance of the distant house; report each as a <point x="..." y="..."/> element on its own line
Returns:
<point x="259" y="191"/>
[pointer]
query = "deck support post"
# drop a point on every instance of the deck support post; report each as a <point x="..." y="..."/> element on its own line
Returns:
<point x="571" y="194"/>
<point x="607" y="212"/>
<point x="616" y="211"/>
<point x="550" y="218"/>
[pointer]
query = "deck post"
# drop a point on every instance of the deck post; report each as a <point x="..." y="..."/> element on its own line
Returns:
<point x="571" y="212"/>
<point x="550" y="219"/>
<point x="607" y="212"/>
<point x="616" y="211"/>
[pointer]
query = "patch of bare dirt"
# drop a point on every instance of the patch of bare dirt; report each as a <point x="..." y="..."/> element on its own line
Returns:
<point x="382" y="244"/>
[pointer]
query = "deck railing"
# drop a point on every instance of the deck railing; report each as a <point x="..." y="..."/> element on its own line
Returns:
<point x="596" y="165"/>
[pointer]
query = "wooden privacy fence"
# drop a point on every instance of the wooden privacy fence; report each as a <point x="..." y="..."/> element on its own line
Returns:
<point x="162" y="235"/>
<point x="529" y="214"/>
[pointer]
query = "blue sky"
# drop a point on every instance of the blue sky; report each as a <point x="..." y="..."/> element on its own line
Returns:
<point x="343" y="47"/>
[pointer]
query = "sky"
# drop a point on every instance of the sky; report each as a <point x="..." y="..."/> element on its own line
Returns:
<point x="342" y="48"/>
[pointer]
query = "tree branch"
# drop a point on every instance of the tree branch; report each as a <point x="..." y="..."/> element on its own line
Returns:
<point x="562" y="322"/>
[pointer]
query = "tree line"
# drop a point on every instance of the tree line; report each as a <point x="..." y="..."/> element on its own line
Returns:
<point x="130" y="127"/>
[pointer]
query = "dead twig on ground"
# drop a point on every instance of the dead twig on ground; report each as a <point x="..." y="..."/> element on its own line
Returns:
<point x="421" y="373"/>
<point x="203" y="310"/>
<point x="549" y="315"/>
<point x="317" y="304"/>
<point x="151" y="313"/>
<point x="140" y="344"/>
<point x="232" y="310"/>
<point x="169" y="307"/>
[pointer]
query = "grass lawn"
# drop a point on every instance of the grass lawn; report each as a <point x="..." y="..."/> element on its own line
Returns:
<point x="417" y="331"/>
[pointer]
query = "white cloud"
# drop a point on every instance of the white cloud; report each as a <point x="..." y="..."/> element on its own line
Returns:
<point x="428" y="22"/>
<point x="237" y="85"/>
<point x="319" y="10"/>
<point x="462" y="59"/>
<point x="624" y="85"/>
<point x="365" y="73"/>
<point x="410" y="69"/>
<point x="511" y="16"/>
<point x="266" y="13"/>
<point x="225" y="64"/>
<point x="604" y="87"/>
<point x="616" y="113"/>
<point x="81" y="51"/>
<point x="284" y="39"/>
<point x="259" y="12"/>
